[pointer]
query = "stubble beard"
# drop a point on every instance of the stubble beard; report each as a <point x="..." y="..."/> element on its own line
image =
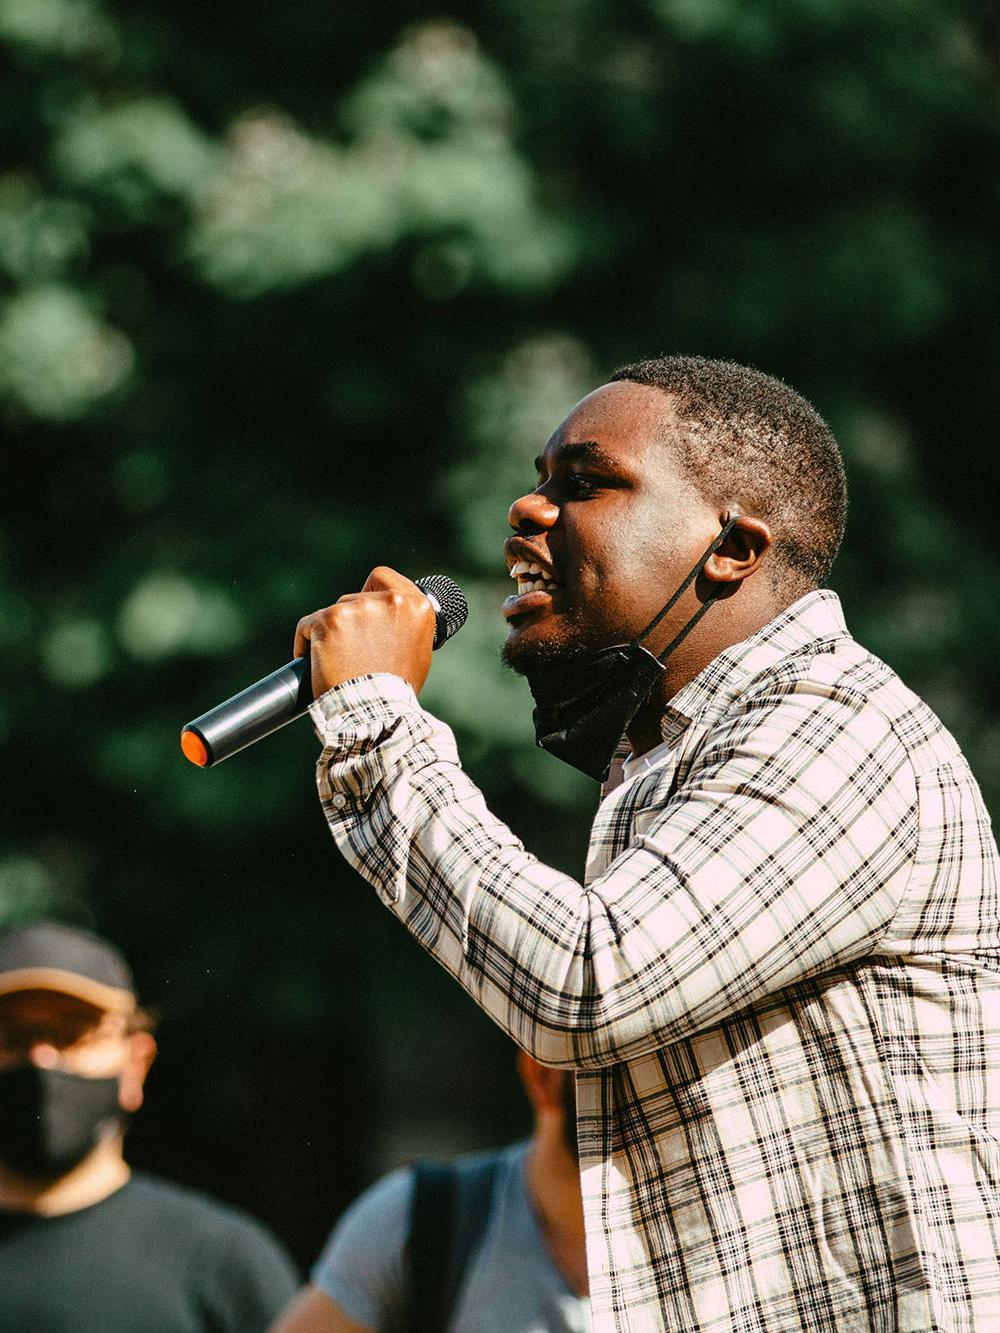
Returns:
<point x="570" y="643"/>
<point x="574" y="637"/>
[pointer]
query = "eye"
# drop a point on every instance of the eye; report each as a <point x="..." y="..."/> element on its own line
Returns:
<point x="579" y="485"/>
<point x="564" y="485"/>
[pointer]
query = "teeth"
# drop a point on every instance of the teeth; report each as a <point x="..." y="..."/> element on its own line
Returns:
<point x="522" y="569"/>
<point x="531" y="577"/>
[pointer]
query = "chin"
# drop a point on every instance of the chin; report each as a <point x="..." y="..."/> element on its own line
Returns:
<point x="524" y="651"/>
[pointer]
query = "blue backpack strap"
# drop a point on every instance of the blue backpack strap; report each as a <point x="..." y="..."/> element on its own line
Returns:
<point x="449" y="1210"/>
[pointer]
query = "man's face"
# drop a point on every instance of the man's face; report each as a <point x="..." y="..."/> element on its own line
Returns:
<point x="614" y="525"/>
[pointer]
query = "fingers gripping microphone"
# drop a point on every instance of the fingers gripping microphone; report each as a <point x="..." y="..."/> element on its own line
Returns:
<point x="286" y="693"/>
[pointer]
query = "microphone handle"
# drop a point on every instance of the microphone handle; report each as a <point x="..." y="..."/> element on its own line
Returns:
<point x="249" y="716"/>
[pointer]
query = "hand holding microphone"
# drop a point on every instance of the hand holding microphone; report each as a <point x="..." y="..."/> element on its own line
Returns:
<point x="392" y="625"/>
<point x="388" y="626"/>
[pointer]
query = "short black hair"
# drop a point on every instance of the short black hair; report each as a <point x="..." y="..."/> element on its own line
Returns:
<point x="748" y="438"/>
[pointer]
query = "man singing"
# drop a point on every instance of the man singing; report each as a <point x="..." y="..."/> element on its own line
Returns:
<point x="779" y="983"/>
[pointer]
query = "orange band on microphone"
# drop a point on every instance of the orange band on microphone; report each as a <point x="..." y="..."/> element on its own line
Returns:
<point x="194" y="748"/>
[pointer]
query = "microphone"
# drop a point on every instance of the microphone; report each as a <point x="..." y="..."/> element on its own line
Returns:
<point x="286" y="693"/>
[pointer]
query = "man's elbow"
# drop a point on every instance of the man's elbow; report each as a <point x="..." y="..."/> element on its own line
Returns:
<point x="579" y="1045"/>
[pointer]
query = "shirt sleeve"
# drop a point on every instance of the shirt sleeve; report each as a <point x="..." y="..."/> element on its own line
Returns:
<point x="362" y="1266"/>
<point x="785" y="851"/>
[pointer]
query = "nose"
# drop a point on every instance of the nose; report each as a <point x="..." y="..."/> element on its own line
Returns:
<point x="43" y="1055"/>
<point x="533" y="513"/>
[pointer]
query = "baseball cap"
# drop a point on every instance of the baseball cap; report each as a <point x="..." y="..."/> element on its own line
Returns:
<point x="49" y="956"/>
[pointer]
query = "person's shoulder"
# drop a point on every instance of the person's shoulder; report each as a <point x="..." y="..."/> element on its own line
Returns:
<point x="171" y="1198"/>
<point x="503" y="1160"/>
<point x="380" y="1210"/>
<point x="844" y="675"/>
<point x="841" y="667"/>
<point x="209" y="1220"/>
<point x="391" y="1195"/>
<point x="805" y="670"/>
<point x="384" y="1208"/>
<point x="362" y="1264"/>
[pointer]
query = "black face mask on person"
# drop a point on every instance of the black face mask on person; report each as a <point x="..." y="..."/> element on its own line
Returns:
<point x="50" y="1119"/>
<point x="584" y="704"/>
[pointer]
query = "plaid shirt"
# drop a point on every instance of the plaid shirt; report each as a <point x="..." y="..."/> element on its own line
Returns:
<point x="779" y="985"/>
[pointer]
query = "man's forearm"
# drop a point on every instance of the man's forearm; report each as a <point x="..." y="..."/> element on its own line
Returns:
<point x="412" y="823"/>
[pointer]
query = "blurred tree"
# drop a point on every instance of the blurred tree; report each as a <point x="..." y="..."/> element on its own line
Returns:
<point x="284" y="297"/>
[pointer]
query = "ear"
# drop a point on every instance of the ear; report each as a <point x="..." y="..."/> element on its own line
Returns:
<point x="543" y="1084"/>
<point x="141" y="1054"/>
<point x="742" y="553"/>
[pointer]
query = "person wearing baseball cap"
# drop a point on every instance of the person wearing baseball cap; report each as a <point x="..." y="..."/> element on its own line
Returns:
<point x="85" y="1242"/>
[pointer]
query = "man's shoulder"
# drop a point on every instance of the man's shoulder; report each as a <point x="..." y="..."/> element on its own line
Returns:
<point x="848" y="677"/>
<point x="166" y="1196"/>
<point x="804" y="657"/>
<point x="394" y="1190"/>
<point x="208" y="1219"/>
<point x="841" y="667"/>
<point x="385" y="1207"/>
<point x="503" y="1159"/>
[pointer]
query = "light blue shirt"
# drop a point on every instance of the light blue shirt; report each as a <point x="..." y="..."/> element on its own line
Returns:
<point x="511" y="1282"/>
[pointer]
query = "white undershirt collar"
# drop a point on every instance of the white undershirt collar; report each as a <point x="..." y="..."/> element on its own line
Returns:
<point x="640" y="763"/>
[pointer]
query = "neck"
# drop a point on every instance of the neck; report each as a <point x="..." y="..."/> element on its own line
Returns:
<point x="729" y="621"/>
<point x="553" y="1179"/>
<point x="101" y="1172"/>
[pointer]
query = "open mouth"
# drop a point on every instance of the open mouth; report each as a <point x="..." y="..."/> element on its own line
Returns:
<point x="531" y="578"/>
<point x="535" y="589"/>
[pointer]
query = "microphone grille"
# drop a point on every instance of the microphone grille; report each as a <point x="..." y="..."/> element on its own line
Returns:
<point x="449" y="604"/>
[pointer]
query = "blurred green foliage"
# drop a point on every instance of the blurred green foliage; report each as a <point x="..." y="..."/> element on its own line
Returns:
<point x="284" y="295"/>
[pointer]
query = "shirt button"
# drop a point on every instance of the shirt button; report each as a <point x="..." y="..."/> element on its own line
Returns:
<point x="338" y="800"/>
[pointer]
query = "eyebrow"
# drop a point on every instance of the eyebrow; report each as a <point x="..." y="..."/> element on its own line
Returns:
<point x="580" y="451"/>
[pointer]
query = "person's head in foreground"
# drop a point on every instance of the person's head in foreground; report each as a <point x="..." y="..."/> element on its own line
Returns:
<point x="75" y="1049"/>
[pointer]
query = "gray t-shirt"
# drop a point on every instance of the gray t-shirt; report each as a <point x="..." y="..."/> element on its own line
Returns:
<point x="510" y="1282"/>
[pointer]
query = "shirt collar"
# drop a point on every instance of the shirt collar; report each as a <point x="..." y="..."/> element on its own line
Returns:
<point x="814" y="619"/>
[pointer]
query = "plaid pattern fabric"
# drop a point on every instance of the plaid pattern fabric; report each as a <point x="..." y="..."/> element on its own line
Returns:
<point x="779" y="984"/>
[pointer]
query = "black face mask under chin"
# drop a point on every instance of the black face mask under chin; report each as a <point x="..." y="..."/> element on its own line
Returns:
<point x="50" y="1120"/>
<point x="584" y="704"/>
